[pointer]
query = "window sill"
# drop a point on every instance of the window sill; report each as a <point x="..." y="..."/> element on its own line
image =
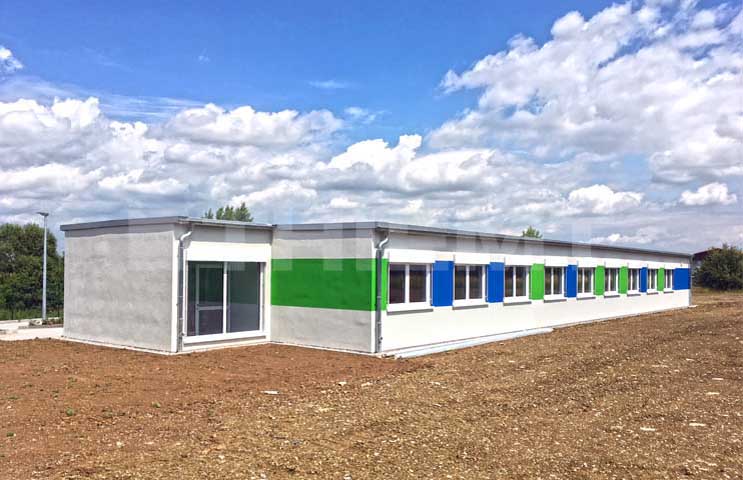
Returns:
<point x="408" y="307"/>
<point x="585" y="296"/>
<point x="195" y="339"/>
<point x="554" y="298"/>
<point x="652" y="292"/>
<point x="668" y="291"/>
<point x="633" y="293"/>
<point x="477" y="302"/>
<point x="611" y="294"/>
<point x="516" y="301"/>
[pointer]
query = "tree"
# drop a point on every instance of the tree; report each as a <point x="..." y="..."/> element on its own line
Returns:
<point x="721" y="269"/>
<point x="21" y="252"/>
<point x="531" y="232"/>
<point x="228" y="212"/>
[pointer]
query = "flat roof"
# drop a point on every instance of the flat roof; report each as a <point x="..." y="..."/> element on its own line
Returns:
<point x="373" y="225"/>
<point x="129" y="222"/>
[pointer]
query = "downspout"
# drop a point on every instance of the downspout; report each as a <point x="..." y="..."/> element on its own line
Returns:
<point x="181" y="278"/>
<point x="691" y="275"/>
<point x="378" y="305"/>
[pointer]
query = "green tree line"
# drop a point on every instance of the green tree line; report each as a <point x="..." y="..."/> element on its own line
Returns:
<point x="21" y="252"/>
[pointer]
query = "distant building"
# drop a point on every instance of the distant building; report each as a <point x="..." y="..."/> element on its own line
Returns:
<point x="699" y="257"/>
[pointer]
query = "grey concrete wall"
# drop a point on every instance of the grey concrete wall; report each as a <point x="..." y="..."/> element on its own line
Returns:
<point x="323" y="244"/>
<point x="119" y="286"/>
<point x="322" y="327"/>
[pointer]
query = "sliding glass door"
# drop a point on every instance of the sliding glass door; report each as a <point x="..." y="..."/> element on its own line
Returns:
<point x="224" y="298"/>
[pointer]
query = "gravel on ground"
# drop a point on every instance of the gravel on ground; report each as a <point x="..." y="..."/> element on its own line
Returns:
<point x="651" y="397"/>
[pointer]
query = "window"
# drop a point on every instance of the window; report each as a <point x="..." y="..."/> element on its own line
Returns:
<point x="585" y="281"/>
<point x="469" y="282"/>
<point x="634" y="279"/>
<point x="409" y="283"/>
<point x="652" y="279"/>
<point x="517" y="282"/>
<point x="224" y="298"/>
<point x="669" y="279"/>
<point x="611" y="280"/>
<point x="554" y="278"/>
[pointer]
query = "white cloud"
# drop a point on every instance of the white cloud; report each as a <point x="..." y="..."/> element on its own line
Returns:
<point x="280" y="193"/>
<point x="329" y="84"/>
<point x="602" y="200"/>
<point x="582" y="137"/>
<point x="710" y="194"/>
<point x="343" y="203"/>
<point x="49" y="179"/>
<point x="361" y="115"/>
<point x="243" y="125"/>
<point x="618" y="238"/>
<point x="625" y="82"/>
<point x="8" y="63"/>
<point x="136" y="181"/>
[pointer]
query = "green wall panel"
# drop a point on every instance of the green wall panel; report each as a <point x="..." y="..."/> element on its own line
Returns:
<point x="623" y="279"/>
<point x="341" y="283"/>
<point x="598" y="287"/>
<point x="536" y="290"/>
<point x="661" y="279"/>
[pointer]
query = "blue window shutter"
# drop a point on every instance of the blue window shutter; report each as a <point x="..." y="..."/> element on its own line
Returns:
<point x="681" y="279"/>
<point x="644" y="279"/>
<point x="443" y="284"/>
<point x="495" y="281"/>
<point x="571" y="281"/>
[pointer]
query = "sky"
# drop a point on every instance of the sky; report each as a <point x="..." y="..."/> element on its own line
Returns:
<point x="616" y="123"/>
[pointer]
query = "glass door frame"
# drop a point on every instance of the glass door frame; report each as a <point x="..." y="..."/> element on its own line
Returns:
<point x="196" y="338"/>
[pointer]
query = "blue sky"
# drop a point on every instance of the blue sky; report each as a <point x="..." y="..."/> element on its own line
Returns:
<point x="592" y="120"/>
<point x="384" y="56"/>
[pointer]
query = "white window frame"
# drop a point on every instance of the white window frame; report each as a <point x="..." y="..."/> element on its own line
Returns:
<point x="407" y="304"/>
<point x="652" y="280"/>
<point x="668" y="280"/>
<point x="591" y="281"/>
<point x="549" y="270"/>
<point x="615" y="291"/>
<point x="467" y="300"/>
<point x="197" y="338"/>
<point x="634" y="278"/>
<point x="514" y="298"/>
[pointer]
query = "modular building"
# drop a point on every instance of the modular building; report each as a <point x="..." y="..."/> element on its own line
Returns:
<point x="178" y="284"/>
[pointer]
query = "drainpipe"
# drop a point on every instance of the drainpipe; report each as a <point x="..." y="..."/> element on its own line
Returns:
<point x="691" y="272"/>
<point x="181" y="277"/>
<point x="378" y="313"/>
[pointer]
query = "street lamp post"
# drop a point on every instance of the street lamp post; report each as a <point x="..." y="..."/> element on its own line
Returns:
<point x="43" y="275"/>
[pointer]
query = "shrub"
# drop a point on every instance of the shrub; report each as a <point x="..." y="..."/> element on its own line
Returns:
<point x="722" y="269"/>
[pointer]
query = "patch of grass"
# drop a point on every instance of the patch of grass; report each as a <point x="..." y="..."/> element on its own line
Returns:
<point x="70" y="412"/>
<point x="10" y="434"/>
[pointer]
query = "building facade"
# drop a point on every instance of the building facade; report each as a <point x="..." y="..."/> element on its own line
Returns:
<point x="179" y="284"/>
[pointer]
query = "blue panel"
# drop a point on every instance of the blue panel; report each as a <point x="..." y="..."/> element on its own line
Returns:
<point x="644" y="279"/>
<point x="571" y="281"/>
<point x="496" y="272"/>
<point x="443" y="284"/>
<point x="681" y="279"/>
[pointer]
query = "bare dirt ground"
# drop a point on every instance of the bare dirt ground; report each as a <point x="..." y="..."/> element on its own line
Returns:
<point x="656" y="396"/>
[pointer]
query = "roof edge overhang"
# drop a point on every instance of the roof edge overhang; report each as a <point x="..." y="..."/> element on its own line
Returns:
<point x="368" y="225"/>
<point x="175" y="220"/>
